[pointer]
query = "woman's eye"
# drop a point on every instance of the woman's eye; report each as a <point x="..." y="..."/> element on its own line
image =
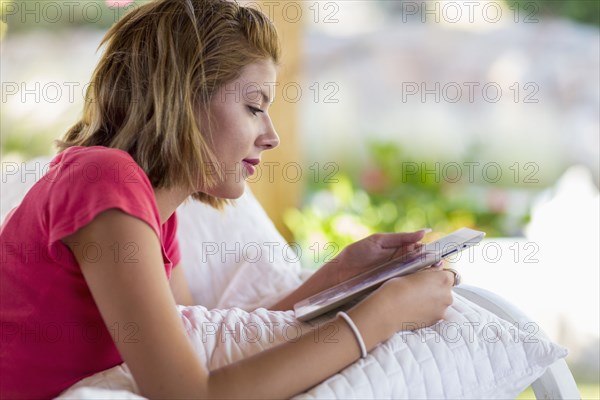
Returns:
<point x="255" y="110"/>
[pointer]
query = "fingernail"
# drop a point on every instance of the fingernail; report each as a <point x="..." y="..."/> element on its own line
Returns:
<point x="426" y="230"/>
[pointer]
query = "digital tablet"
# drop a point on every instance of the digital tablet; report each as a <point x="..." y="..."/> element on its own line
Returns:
<point x="427" y="255"/>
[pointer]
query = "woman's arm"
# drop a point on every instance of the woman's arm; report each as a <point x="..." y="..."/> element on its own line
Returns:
<point x="160" y="355"/>
<point x="135" y="292"/>
<point x="179" y="287"/>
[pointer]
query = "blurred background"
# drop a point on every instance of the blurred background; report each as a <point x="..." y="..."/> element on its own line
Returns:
<point x="394" y="115"/>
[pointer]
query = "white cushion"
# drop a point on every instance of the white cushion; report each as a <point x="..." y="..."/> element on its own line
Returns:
<point x="226" y="255"/>
<point x="470" y="355"/>
<point x="486" y="358"/>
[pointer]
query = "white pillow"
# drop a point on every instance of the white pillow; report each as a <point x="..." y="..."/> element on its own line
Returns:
<point x="470" y="355"/>
<point x="493" y="360"/>
<point x="486" y="358"/>
<point x="236" y="258"/>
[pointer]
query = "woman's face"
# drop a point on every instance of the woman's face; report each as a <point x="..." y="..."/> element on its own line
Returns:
<point x="241" y="127"/>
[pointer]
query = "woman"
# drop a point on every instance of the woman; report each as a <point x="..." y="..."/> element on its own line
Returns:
<point x="178" y="107"/>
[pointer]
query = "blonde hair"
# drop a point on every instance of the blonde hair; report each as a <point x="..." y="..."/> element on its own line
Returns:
<point x="162" y="62"/>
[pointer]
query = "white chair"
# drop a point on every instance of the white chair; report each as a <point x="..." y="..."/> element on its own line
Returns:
<point x="557" y="382"/>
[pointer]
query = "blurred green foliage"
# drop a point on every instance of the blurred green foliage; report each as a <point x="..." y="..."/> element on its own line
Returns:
<point x="585" y="11"/>
<point x="395" y="193"/>
<point x="26" y="15"/>
<point x="25" y="145"/>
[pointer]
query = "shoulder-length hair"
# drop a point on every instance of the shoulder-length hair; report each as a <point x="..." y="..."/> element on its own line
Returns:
<point x="163" y="62"/>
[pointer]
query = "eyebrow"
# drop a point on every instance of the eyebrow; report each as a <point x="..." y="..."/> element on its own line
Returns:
<point x="263" y="94"/>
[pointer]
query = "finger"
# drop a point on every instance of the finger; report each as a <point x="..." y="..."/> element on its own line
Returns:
<point x="397" y="253"/>
<point x="412" y="246"/>
<point x="454" y="276"/>
<point x="387" y="240"/>
<point x="405" y="250"/>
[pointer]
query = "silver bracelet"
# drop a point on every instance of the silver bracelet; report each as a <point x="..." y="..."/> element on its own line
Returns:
<point x="357" y="335"/>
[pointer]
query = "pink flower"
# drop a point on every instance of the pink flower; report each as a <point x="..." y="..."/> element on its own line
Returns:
<point x="497" y="200"/>
<point x="118" y="3"/>
<point x="373" y="180"/>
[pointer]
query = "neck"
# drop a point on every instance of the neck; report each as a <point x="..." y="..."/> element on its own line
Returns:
<point x="167" y="201"/>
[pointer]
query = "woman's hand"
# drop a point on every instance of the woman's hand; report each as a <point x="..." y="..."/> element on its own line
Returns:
<point x="370" y="252"/>
<point x="423" y="296"/>
<point x="406" y="303"/>
<point x="355" y="259"/>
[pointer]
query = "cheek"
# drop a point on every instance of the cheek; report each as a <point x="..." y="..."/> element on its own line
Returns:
<point x="233" y="136"/>
<point x="230" y="151"/>
<point x="237" y="141"/>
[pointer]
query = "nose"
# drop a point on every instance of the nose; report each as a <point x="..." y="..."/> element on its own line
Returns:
<point x="269" y="139"/>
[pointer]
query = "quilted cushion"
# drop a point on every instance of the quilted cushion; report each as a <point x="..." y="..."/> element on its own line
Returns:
<point x="470" y="355"/>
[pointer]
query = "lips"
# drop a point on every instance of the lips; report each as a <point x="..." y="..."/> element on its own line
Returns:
<point x="249" y="165"/>
<point x="252" y="161"/>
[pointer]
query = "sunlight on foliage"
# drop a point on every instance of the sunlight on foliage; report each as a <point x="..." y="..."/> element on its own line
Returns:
<point x="386" y="197"/>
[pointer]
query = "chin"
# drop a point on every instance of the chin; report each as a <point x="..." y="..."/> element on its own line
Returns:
<point x="231" y="193"/>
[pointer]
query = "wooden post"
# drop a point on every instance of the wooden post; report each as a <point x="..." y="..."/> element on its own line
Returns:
<point x="276" y="189"/>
